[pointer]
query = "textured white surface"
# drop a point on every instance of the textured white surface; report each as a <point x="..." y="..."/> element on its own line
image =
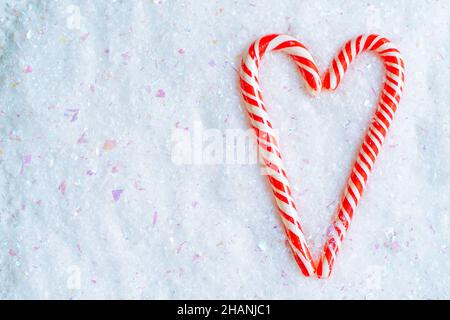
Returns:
<point x="89" y="108"/>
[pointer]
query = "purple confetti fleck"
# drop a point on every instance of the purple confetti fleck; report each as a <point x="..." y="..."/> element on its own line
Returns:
<point x="74" y="114"/>
<point x="155" y="218"/>
<point x="90" y="173"/>
<point x="160" y="93"/>
<point x="116" y="194"/>
<point x="212" y="63"/>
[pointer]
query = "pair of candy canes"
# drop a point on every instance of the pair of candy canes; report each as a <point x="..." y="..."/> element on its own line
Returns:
<point x="269" y="151"/>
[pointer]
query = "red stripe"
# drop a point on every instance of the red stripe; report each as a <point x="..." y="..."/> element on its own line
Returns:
<point x="358" y="44"/>
<point x="336" y="72"/>
<point x="382" y="118"/>
<point x="276" y="183"/>
<point x="248" y="88"/>
<point x="348" y="50"/>
<point x="342" y="60"/>
<point x="372" y="145"/>
<point x="264" y="42"/>
<point x="379" y="127"/>
<point x="361" y="171"/>
<point x="288" y="44"/>
<point x="250" y="100"/>
<point x="356" y="182"/>
<point x="281" y="197"/>
<point x="363" y="160"/>
<point x="379" y="43"/>
<point x="246" y="70"/>
<point x="286" y="216"/>
<point x="305" y="62"/>
<point x="369" y="41"/>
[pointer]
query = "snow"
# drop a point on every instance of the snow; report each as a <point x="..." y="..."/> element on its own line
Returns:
<point x="94" y="204"/>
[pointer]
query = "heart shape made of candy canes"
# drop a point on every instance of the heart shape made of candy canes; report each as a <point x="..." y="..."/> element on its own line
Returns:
<point x="269" y="152"/>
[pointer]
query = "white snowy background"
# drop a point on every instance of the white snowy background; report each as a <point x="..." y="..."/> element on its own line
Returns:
<point x="93" y="206"/>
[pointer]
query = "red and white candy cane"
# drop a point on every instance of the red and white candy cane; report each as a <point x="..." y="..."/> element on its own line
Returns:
<point x="376" y="133"/>
<point x="268" y="146"/>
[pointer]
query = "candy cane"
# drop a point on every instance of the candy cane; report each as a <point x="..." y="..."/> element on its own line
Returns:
<point x="268" y="147"/>
<point x="373" y="141"/>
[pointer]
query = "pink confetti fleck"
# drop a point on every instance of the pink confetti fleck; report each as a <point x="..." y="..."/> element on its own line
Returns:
<point x="90" y="172"/>
<point x="196" y="257"/>
<point x="92" y="88"/>
<point x="85" y="36"/>
<point x="109" y="145"/>
<point x="12" y="253"/>
<point x="160" y="93"/>
<point x="181" y="51"/>
<point x="82" y="139"/>
<point x="116" y="194"/>
<point x="155" y="218"/>
<point x="195" y="204"/>
<point x="115" y="169"/>
<point x="28" y="69"/>
<point x="62" y="187"/>
<point x="180" y="246"/>
<point x="14" y="137"/>
<point x="125" y="55"/>
<point x="138" y="186"/>
<point x="27" y="159"/>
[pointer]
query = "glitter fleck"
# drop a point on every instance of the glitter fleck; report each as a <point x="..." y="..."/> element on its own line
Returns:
<point x="116" y="194"/>
<point x="28" y="69"/>
<point x="109" y="145"/>
<point x="62" y="187"/>
<point x="161" y="93"/>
